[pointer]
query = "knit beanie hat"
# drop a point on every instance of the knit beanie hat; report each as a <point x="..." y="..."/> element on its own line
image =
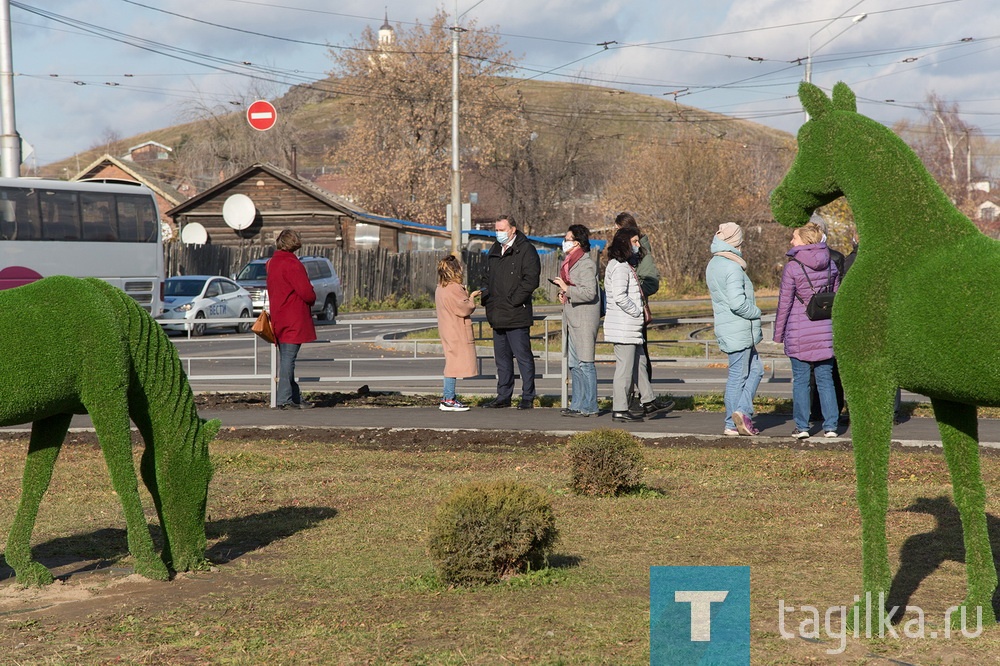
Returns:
<point x="731" y="233"/>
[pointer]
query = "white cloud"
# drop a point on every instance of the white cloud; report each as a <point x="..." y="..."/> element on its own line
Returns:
<point x="708" y="46"/>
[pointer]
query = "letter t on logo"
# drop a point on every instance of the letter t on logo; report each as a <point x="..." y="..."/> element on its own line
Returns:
<point x="701" y="610"/>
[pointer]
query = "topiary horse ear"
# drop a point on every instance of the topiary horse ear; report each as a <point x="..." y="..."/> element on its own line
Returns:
<point x="844" y="98"/>
<point x="814" y="100"/>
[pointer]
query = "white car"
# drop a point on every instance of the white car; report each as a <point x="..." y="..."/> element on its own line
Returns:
<point x="197" y="299"/>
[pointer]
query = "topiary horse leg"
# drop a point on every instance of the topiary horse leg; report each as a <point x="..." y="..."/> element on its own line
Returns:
<point x="960" y="437"/>
<point x="113" y="432"/>
<point x="871" y="432"/>
<point x="47" y="436"/>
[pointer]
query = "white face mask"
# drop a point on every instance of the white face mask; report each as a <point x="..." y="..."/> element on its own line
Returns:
<point x="568" y="245"/>
<point x="503" y="237"/>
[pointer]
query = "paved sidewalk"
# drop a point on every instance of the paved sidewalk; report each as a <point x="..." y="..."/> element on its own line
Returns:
<point x="913" y="432"/>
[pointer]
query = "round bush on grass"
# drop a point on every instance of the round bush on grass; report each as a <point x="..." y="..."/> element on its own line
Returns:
<point x="605" y="462"/>
<point x="486" y="532"/>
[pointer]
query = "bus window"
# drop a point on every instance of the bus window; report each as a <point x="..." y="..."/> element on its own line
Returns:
<point x="137" y="221"/>
<point x="60" y="215"/>
<point x="19" y="214"/>
<point x="98" y="215"/>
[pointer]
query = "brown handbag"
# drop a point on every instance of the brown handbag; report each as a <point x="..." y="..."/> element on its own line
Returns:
<point x="262" y="327"/>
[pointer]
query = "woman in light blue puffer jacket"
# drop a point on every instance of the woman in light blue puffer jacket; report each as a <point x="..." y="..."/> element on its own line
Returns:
<point x="737" y="326"/>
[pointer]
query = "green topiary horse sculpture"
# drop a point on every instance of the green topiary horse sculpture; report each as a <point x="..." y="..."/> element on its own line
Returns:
<point x="917" y="310"/>
<point x="71" y="346"/>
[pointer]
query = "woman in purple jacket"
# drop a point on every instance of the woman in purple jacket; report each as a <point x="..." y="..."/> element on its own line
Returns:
<point x="808" y="343"/>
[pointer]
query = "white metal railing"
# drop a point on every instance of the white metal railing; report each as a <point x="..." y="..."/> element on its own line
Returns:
<point x="271" y="376"/>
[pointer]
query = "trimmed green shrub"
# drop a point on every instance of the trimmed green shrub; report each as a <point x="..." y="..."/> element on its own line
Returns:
<point x="486" y="532"/>
<point x="605" y="462"/>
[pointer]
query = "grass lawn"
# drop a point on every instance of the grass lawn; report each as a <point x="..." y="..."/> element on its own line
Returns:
<point x="321" y="552"/>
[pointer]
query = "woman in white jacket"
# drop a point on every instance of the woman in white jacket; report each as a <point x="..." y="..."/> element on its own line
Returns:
<point x="623" y="323"/>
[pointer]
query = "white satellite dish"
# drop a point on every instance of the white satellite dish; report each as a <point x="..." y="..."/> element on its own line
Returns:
<point x="194" y="234"/>
<point x="239" y="211"/>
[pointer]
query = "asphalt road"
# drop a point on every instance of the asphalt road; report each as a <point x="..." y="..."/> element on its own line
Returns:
<point x="408" y="366"/>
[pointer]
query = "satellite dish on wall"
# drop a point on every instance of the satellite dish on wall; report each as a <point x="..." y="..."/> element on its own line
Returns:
<point x="194" y="234"/>
<point x="238" y="211"/>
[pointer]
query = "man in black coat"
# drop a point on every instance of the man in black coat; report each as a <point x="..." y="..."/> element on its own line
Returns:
<point x="513" y="271"/>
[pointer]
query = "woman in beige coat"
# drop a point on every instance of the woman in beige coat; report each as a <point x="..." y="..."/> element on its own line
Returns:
<point x="454" y="309"/>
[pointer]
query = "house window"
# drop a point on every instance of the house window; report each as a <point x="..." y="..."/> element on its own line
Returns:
<point x="366" y="236"/>
<point x="987" y="213"/>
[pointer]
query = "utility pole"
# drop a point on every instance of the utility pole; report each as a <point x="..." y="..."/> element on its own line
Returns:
<point x="456" y="179"/>
<point x="10" y="142"/>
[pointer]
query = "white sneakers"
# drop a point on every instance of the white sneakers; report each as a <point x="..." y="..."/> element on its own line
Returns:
<point x="452" y="406"/>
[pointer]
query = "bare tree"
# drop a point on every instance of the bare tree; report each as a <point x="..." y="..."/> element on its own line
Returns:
<point x="944" y="143"/>
<point x="545" y="163"/>
<point x="398" y="152"/>
<point x="680" y="193"/>
<point x="225" y="144"/>
<point x="111" y="142"/>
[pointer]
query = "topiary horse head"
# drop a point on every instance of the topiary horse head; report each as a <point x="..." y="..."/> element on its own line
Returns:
<point x="917" y="310"/>
<point x="70" y="346"/>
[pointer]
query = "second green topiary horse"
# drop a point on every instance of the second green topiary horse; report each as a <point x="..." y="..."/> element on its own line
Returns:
<point x="71" y="346"/>
<point x="918" y="310"/>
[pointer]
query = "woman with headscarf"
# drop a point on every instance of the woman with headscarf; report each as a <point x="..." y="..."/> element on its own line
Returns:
<point x="580" y="296"/>
<point x="737" y="326"/>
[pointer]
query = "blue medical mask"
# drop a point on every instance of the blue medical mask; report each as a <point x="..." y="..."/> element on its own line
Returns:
<point x="503" y="237"/>
<point x="635" y="249"/>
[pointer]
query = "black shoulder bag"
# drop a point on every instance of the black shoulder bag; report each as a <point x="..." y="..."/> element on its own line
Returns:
<point x="820" y="305"/>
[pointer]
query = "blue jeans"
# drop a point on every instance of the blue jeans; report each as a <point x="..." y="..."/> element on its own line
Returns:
<point x="583" y="375"/>
<point x="449" y="388"/>
<point x="288" y="388"/>
<point x="745" y="373"/>
<point x="802" y="394"/>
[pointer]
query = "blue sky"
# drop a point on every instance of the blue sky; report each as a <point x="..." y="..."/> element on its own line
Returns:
<point x="75" y="79"/>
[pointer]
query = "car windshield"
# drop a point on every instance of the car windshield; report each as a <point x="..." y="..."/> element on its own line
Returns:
<point x="253" y="272"/>
<point x="183" y="287"/>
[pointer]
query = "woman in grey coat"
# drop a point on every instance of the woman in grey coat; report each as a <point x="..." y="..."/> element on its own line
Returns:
<point x="581" y="299"/>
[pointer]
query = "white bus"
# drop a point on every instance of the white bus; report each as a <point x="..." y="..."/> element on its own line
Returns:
<point x="82" y="229"/>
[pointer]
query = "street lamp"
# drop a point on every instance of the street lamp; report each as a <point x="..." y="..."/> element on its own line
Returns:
<point x="854" y="21"/>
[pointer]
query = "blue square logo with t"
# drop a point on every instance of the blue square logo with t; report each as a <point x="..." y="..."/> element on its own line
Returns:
<point x="699" y="615"/>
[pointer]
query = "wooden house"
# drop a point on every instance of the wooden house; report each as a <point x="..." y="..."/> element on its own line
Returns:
<point x="282" y="200"/>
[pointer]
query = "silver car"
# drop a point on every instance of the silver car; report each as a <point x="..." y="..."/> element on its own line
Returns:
<point x="195" y="300"/>
<point x="322" y="275"/>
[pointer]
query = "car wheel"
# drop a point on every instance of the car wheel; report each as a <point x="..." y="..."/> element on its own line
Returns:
<point x="244" y="326"/>
<point x="198" y="328"/>
<point x="329" y="311"/>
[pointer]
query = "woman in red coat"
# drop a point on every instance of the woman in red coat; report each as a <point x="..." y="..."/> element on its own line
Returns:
<point x="454" y="307"/>
<point x="291" y="296"/>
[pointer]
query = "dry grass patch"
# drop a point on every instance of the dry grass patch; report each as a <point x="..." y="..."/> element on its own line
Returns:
<point x="322" y="557"/>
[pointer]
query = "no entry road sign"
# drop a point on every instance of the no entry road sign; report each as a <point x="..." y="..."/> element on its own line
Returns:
<point x="261" y="115"/>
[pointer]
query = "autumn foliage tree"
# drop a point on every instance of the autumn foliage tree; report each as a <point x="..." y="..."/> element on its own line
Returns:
<point x="397" y="155"/>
